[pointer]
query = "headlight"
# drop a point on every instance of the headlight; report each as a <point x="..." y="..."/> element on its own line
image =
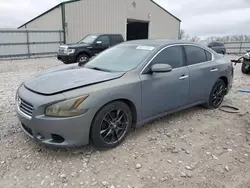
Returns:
<point x="67" y="108"/>
<point x="69" y="51"/>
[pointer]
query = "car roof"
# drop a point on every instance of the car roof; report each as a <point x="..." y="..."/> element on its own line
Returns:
<point x="158" y="42"/>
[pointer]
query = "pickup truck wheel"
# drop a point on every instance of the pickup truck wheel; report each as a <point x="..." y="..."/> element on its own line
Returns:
<point x="82" y="59"/>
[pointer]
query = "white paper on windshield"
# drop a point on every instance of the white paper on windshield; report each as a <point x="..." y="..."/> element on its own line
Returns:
<point x="150" y="48"/>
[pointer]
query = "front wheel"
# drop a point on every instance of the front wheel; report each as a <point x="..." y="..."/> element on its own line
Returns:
<point x="111" y="125"/>
<point x="217" y="94"/>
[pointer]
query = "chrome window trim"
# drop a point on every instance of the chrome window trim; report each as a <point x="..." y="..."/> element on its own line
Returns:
<point x="183" y="44"/>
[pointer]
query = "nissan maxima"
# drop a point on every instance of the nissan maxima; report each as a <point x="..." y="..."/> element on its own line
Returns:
<point x="122" y="88"/>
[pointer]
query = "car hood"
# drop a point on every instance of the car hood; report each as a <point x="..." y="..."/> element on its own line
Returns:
<point x="67" y="77"/>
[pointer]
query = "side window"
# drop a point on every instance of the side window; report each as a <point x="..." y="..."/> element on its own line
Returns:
<point x="115" y="39"/>
<point x="105" y="40"/>
<point x="211" y="45"/>
<point x="209" y="56"/>
<point x="172" y="56"/>
<point x="195" y="55"/>
<point x="221" y="45"/>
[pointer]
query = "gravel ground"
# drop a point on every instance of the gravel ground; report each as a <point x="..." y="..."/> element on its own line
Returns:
<point x="193" y="148"/>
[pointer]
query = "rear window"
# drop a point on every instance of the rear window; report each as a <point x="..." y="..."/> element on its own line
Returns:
<point x="209" y="56"/>
<point x="115" y="39"/>
<point x="217" y="44"/>
<point x="195" y="55"/>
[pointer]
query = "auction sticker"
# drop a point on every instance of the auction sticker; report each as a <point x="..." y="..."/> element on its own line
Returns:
<point x="149" y="48"/>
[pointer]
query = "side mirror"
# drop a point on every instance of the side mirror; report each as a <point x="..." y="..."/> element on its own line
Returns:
<point x="161" y="68"/>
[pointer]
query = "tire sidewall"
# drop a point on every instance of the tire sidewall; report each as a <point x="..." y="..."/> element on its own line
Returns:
<point x="80" y="56"/>
<point x="96" y="124"/>
<point x="210" y="102"/>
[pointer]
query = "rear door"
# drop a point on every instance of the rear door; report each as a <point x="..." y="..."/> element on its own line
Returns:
<point x="203" y="73"/>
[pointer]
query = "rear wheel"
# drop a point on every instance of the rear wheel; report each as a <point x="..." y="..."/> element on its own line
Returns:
<point x="111" y="125"/>
<point x="243" y="68"/>
<point x="217" y="94"/>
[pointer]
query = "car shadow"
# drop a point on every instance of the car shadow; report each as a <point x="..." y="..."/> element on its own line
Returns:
<point x="87" y="151"/>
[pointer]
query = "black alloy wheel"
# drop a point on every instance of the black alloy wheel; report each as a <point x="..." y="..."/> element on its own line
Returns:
<point x="114" y="125"/>
<point x="217" y="94"/>
<point x="111" y="125"/>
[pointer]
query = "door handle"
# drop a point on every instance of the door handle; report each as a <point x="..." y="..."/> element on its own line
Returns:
<point x="214" y="70"/>
<point x="183" y="77"/>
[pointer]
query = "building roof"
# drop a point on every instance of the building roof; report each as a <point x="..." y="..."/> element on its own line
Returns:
<point x="165" y="10"/>
<point x="58" y="5"/>
<point x="71" y="1"/>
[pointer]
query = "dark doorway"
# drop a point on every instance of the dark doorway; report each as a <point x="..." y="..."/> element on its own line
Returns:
<point x="137" y="29"/>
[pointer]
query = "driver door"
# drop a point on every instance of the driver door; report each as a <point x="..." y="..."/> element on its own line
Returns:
<point x="102" y="43"/>
<point x="165" y="91"/>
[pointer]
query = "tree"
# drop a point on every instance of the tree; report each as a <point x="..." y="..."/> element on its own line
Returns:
<point x="182" y="34"/>
<point x="195" y="39"/>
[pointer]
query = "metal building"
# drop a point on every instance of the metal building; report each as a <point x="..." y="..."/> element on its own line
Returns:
<point x="134" y="19"/>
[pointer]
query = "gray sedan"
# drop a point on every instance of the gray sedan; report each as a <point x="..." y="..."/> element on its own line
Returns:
<point x="122" y="88"/>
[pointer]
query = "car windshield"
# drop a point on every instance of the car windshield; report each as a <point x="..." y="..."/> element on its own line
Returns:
<point x="88" y="39"/>
<point x="121" y="58"/>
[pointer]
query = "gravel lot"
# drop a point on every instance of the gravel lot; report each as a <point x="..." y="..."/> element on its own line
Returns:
<point x="193" y="148"/>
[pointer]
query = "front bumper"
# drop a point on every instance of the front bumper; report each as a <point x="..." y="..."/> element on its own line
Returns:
<point x="60" y="132"/>
<point x="67" y="59"/>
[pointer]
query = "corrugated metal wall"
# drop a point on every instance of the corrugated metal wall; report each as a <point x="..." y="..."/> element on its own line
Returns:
<point x="15" y="44"/>
<point x="237" y="47"/>
<point x="110" y="16"/>
<point x="50" y="20"/>
<point x="94" y="16"/>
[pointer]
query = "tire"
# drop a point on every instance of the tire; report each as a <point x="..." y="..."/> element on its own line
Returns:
<point x="82" y="59"/>
<point x="223" y="53"/>
<point x="219" y="89"/>
<point x="105" y="133"/>
<point x="243" y="69"/>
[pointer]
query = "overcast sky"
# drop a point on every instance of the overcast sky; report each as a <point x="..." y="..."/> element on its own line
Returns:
<point x="199" y="17"/>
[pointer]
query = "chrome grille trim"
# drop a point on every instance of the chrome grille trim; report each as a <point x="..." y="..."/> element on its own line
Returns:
<point x="25" y="108"/>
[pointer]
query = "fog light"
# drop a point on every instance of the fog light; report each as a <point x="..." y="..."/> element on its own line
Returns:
<point x="57" y="138"/>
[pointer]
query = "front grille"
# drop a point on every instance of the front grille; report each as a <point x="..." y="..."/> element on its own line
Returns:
<point x="61" y="50"/>
<point x="25" y="107"/>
